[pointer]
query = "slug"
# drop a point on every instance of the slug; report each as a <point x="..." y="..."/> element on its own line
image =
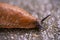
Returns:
<point x="16" y="17"/>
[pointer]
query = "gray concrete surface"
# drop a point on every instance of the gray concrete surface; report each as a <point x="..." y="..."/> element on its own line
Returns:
<point x="39" y="9"/>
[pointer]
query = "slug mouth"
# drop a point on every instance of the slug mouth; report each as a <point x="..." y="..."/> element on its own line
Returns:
<point x="39" y="26"/>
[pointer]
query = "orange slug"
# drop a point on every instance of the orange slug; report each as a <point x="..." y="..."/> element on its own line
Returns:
<point x="15" y="17"/>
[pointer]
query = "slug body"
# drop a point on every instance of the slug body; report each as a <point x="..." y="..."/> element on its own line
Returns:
<point x="15" y="17"/>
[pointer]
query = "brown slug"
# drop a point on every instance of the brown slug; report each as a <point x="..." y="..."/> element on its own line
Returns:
<point x="15" y="17"/>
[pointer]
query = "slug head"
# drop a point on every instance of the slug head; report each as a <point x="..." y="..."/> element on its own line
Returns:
<point x="39" y="26"/>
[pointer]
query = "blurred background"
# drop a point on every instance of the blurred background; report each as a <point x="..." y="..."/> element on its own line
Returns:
<point x="39" y="9"/>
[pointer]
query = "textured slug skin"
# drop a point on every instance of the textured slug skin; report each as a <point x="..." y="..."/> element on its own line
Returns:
<point x="15" y="17"/>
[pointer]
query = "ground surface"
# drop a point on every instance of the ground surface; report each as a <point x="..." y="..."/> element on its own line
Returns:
<point x="39" y="9"/>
